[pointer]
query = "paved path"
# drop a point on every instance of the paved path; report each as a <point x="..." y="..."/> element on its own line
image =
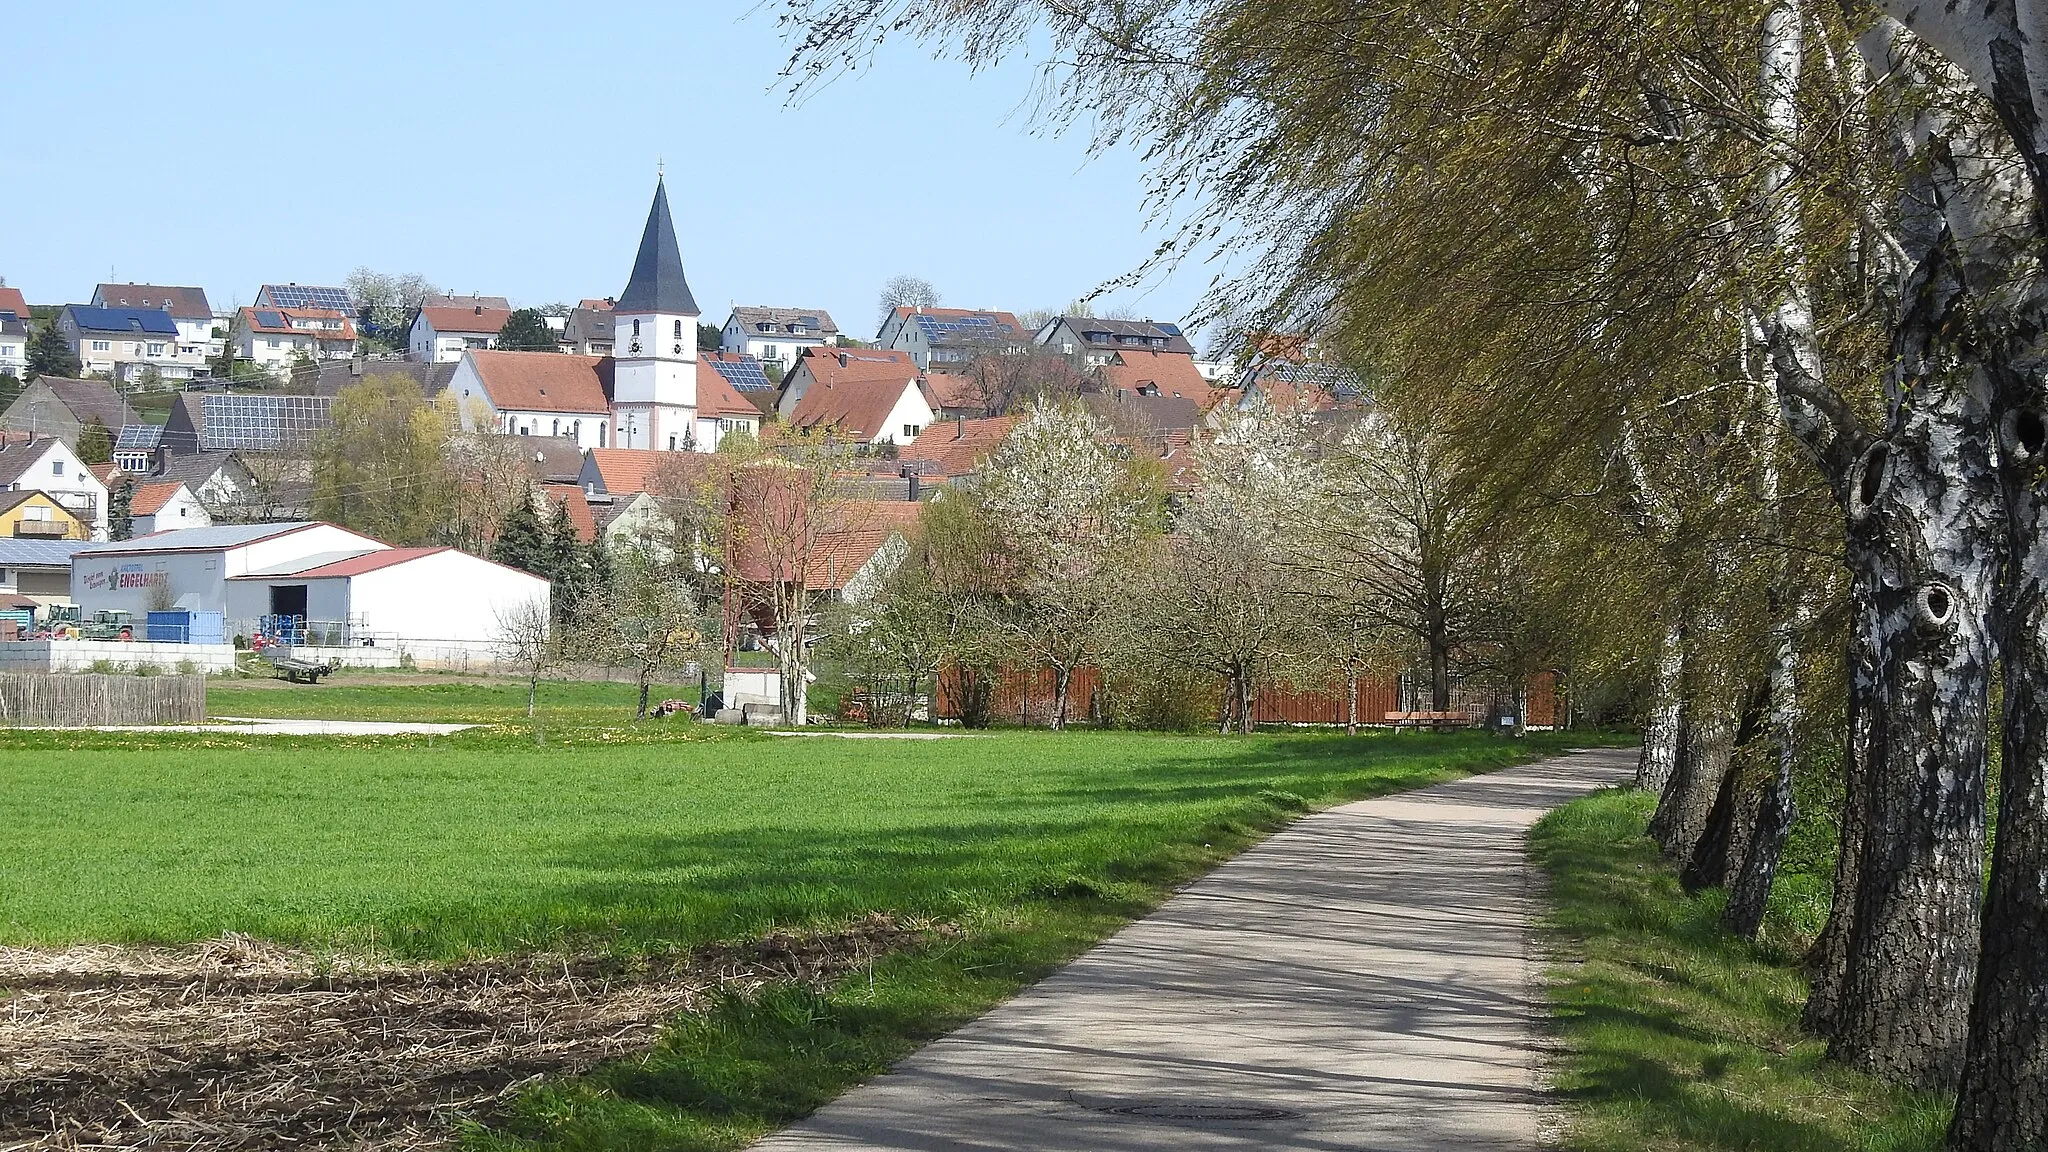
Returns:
<point x="1363" y="980"/>
<point x="256" y="726"/>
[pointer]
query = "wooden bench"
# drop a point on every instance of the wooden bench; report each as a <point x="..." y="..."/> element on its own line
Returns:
<point x="1430" y="720"/>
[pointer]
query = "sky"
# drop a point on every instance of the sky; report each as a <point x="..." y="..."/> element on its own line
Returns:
<point x="511" y="149"/>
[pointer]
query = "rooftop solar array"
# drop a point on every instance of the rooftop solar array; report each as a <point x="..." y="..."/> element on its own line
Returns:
<point x="260" y="423"/>
<point x="270" y="319"/>
<point x="139" y="437"/>
<point x="962" y="329"/>
<point x="744" y="374"/>
<point x="307" y="296"/>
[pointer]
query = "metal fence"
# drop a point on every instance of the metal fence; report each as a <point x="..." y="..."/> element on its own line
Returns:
<point x="85" y="699"/>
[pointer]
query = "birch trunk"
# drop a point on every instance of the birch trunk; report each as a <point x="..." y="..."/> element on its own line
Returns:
<point x="1705" y="730"/>
<point x="1828" y="962"/>
<point x="1725" y="836"/>
<point x="1750" y="894"/>
<point x="1660" y="727"/>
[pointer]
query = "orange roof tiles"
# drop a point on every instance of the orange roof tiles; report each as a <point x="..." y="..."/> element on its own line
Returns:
<point x="716" y="397"/>
<point x="1160" y="373"/>
<point x="541" y="381"/>
<point x="570" y="496"/>
<point x="859" y="408"/>
<point x="149" y="499"/>
<point x="954" y="448"/>
<point x="347" y="330"/>
<point x="11" y="300"/>
<point x="473" y="319"/>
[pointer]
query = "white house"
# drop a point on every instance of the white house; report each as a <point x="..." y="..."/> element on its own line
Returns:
<point x="532" y="394"/>
<point x="125" y="341"/>
<point x="942" y="338"/>
<point x="187" y="305"/>
<point x="47" y="464"/>
<point x="164" y="507"/>
<point x="13" y="345"/>
<point x="776" y="335"/>
<point x="868" y="396"/>
<point x="276" y="338"/>
<point x="442" y="333"/>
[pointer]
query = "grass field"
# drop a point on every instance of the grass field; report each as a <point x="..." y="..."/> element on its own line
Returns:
<point x="1028" y="846"/>
<point x="435" y="696"/>
<point x="1683" y="1037"/>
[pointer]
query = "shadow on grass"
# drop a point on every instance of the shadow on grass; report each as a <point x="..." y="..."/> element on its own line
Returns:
<point x="1679" y="1034"/>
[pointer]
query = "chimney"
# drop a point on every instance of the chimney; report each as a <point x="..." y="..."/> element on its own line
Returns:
<point x="479" y="309"/>
<point x="844" y="359"/>
<point x="916" y="487"/>
<point x="959" y="427"/>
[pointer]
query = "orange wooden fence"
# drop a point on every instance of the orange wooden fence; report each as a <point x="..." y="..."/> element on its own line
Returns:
<point x="1024" y="696"/>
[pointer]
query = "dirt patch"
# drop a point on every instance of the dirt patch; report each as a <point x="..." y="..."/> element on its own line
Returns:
<point x="239" y="1044"/>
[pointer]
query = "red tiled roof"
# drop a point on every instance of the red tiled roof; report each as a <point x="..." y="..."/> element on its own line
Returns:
<point x="716" y="397"/>
<point x="347" y="331"/>
<point x="860" y="408"/>
<point x="367" y="562"/>
<point x="829" y="365"/>
<point x="541" y="381"/>
<point x="956" y="447"/>
<point x="11" y="300"/>
<point x="630" y="470"/>
<point x="571" y="497"/>
<point x="149" y="499"/>
<point x="903" y="313"/>
<point x="104" y="472"/>
<point x="595" y="305"/>
<point x="1166" y="373"/>
<point x="468" y="320"/>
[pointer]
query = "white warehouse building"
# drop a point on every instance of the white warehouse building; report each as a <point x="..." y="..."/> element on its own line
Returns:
<point x="440" y="606"/>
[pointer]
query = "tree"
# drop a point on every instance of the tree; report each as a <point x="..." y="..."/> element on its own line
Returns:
<point x="49" y="354"/>
<point x="522" y="541"/>
<point x="569" y="564"/>
<point x="380" y="467"/>
<point x="1075" y="515"/>
<point x="95" y="443"/>
<point x="645" y="616"/>
<point x="527" y="331"/>
<point x="905" y="292"/>
<point x="1012" y="376"/>
<point x="121" y="510"/>
<point x="709" y="337"/>
<point x="385" y="302"/>
<point x="529" y="641"/>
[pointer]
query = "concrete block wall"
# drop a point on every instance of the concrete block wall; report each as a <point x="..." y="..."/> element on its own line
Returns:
<point x="81" y="655"/>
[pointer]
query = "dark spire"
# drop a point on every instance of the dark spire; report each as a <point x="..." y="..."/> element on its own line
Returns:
<point x="657" y="284"/>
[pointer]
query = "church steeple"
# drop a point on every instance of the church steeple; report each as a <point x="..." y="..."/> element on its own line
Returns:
<point x="657" y="284"/>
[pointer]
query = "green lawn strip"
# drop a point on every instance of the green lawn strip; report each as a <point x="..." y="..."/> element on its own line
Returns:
<point x="455" y="700"/>
<point x="1680" y="1035"/>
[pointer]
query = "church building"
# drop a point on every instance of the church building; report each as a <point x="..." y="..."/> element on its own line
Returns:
<point x="652" y="392"/>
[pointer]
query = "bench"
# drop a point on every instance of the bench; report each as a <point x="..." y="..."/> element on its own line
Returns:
<point x="1430" y="720"/>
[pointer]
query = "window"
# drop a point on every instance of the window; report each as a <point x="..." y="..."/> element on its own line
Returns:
<point x="156" y="349"/>
<point x="636" y="326"/>
<point x="56" y="467"/>
<point x="600" y="435"/>
<point x="671" y="443"/>
<point x="274" y="342"/>
<point x="557" y="429"/>
<point x="679" y="329"/>
<point x="101" y="346"/>
<point x="576" y="430"/>
<point x="770" y="352"/>
<point x="910" y="431"/>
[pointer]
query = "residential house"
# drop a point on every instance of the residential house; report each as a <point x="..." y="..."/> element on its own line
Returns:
<point x="588" y="330"/>
<point x="29" y="462"/>
<point x="166" y="505"/>
<point x="444" y="300"/>
<point x="626" y="471"/>
<point x="1285" y="383"/>
<point x="867" y="396"/>
<point x="776" y="335"/>
<point x="28" y="513"/>
<point x="277" y="338"/>
<point x="14" y="337"/>
<point x="1093" y="340"/>
<point x="228" y="487"/>
<point x="274" y="428"/>
<point x="188" y="307"/>
<point x="442" y="333"/>
<point x="940" y="339"/>
<point x="55" y="406"/>
<point x="127" y="342"/>
<point x="746" y="375"/>
<point x="533" y="394"/>
<point x="723" y="409"/>
<point x="952" y="449"/>
<point x="11" y="300"/>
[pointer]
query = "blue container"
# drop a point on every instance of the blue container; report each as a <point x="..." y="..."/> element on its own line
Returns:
<point x="179" y="626"/>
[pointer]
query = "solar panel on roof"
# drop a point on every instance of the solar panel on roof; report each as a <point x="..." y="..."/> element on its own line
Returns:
<point x="744" y="374"/>
<point x="270" y="319"/>
<point x="139" y="437"/>
<point x="307" y="296"/>
<point x="260" y="423"/>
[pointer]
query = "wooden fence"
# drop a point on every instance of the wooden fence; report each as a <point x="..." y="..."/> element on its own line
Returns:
<point x="75" y="701"/>
<point x="1024" y="696"/>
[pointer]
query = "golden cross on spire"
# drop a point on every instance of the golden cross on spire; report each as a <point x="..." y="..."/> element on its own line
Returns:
<point x="658" y="168"/>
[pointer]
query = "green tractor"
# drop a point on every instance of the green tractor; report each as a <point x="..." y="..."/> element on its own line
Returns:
<point x="109" y="625"/>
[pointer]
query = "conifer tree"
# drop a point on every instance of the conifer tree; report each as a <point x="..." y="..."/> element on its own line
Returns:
<point x="121" y="511"/>
<point x="522" y="540"/>
<point x="49" y="354"/>
<point x="95" y="443"/>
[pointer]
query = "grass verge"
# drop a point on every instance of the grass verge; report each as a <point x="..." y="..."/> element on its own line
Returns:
<point x="1684" y="1038"/>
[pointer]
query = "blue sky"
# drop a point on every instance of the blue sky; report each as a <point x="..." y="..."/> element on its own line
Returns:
<point x="510" y="149"/>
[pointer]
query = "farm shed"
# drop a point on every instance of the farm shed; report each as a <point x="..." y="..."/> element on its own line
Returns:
<point x="38" y="568"/>
<point x="440" y="605"/>
<point x="193" y="565"/>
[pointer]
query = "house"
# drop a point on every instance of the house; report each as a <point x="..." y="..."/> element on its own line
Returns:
<point x="776" y="335"/>
<point x="746" y="375"/>
<point x="626" y="471"/>
<point x="126" y="342"/>
<point x="14" y="337"/>
<point x="1286" y="383"/>
<point x="228" y="487"/>
<point x="188" y="307"/>
<point x="165" y="506"/>
<point x="942" y="338"/>
<point x="438" y="605"/>
<point x="1093" y="339"/>
<point x="31" y="514"/>
<point x="723" y="409"/>
<point x="11" y="300"/>
<point x="588" y="330"/>
<point x="1149" y="372"/>
<point x="431" y="378"/>
<point x="533" y="394"/>
<point x="951" y="449"/>
<point x="29" y="462"/>
<point x="55" y="406"/>
<point x="277" y="338"/>
<point x="444" y="300"/>
<point x="556" y="498"/>
<point x="870" y="396"/>
<point x="440" y="333"/>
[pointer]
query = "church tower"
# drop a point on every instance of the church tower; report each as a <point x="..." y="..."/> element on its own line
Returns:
<point x="654" y="343"/>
